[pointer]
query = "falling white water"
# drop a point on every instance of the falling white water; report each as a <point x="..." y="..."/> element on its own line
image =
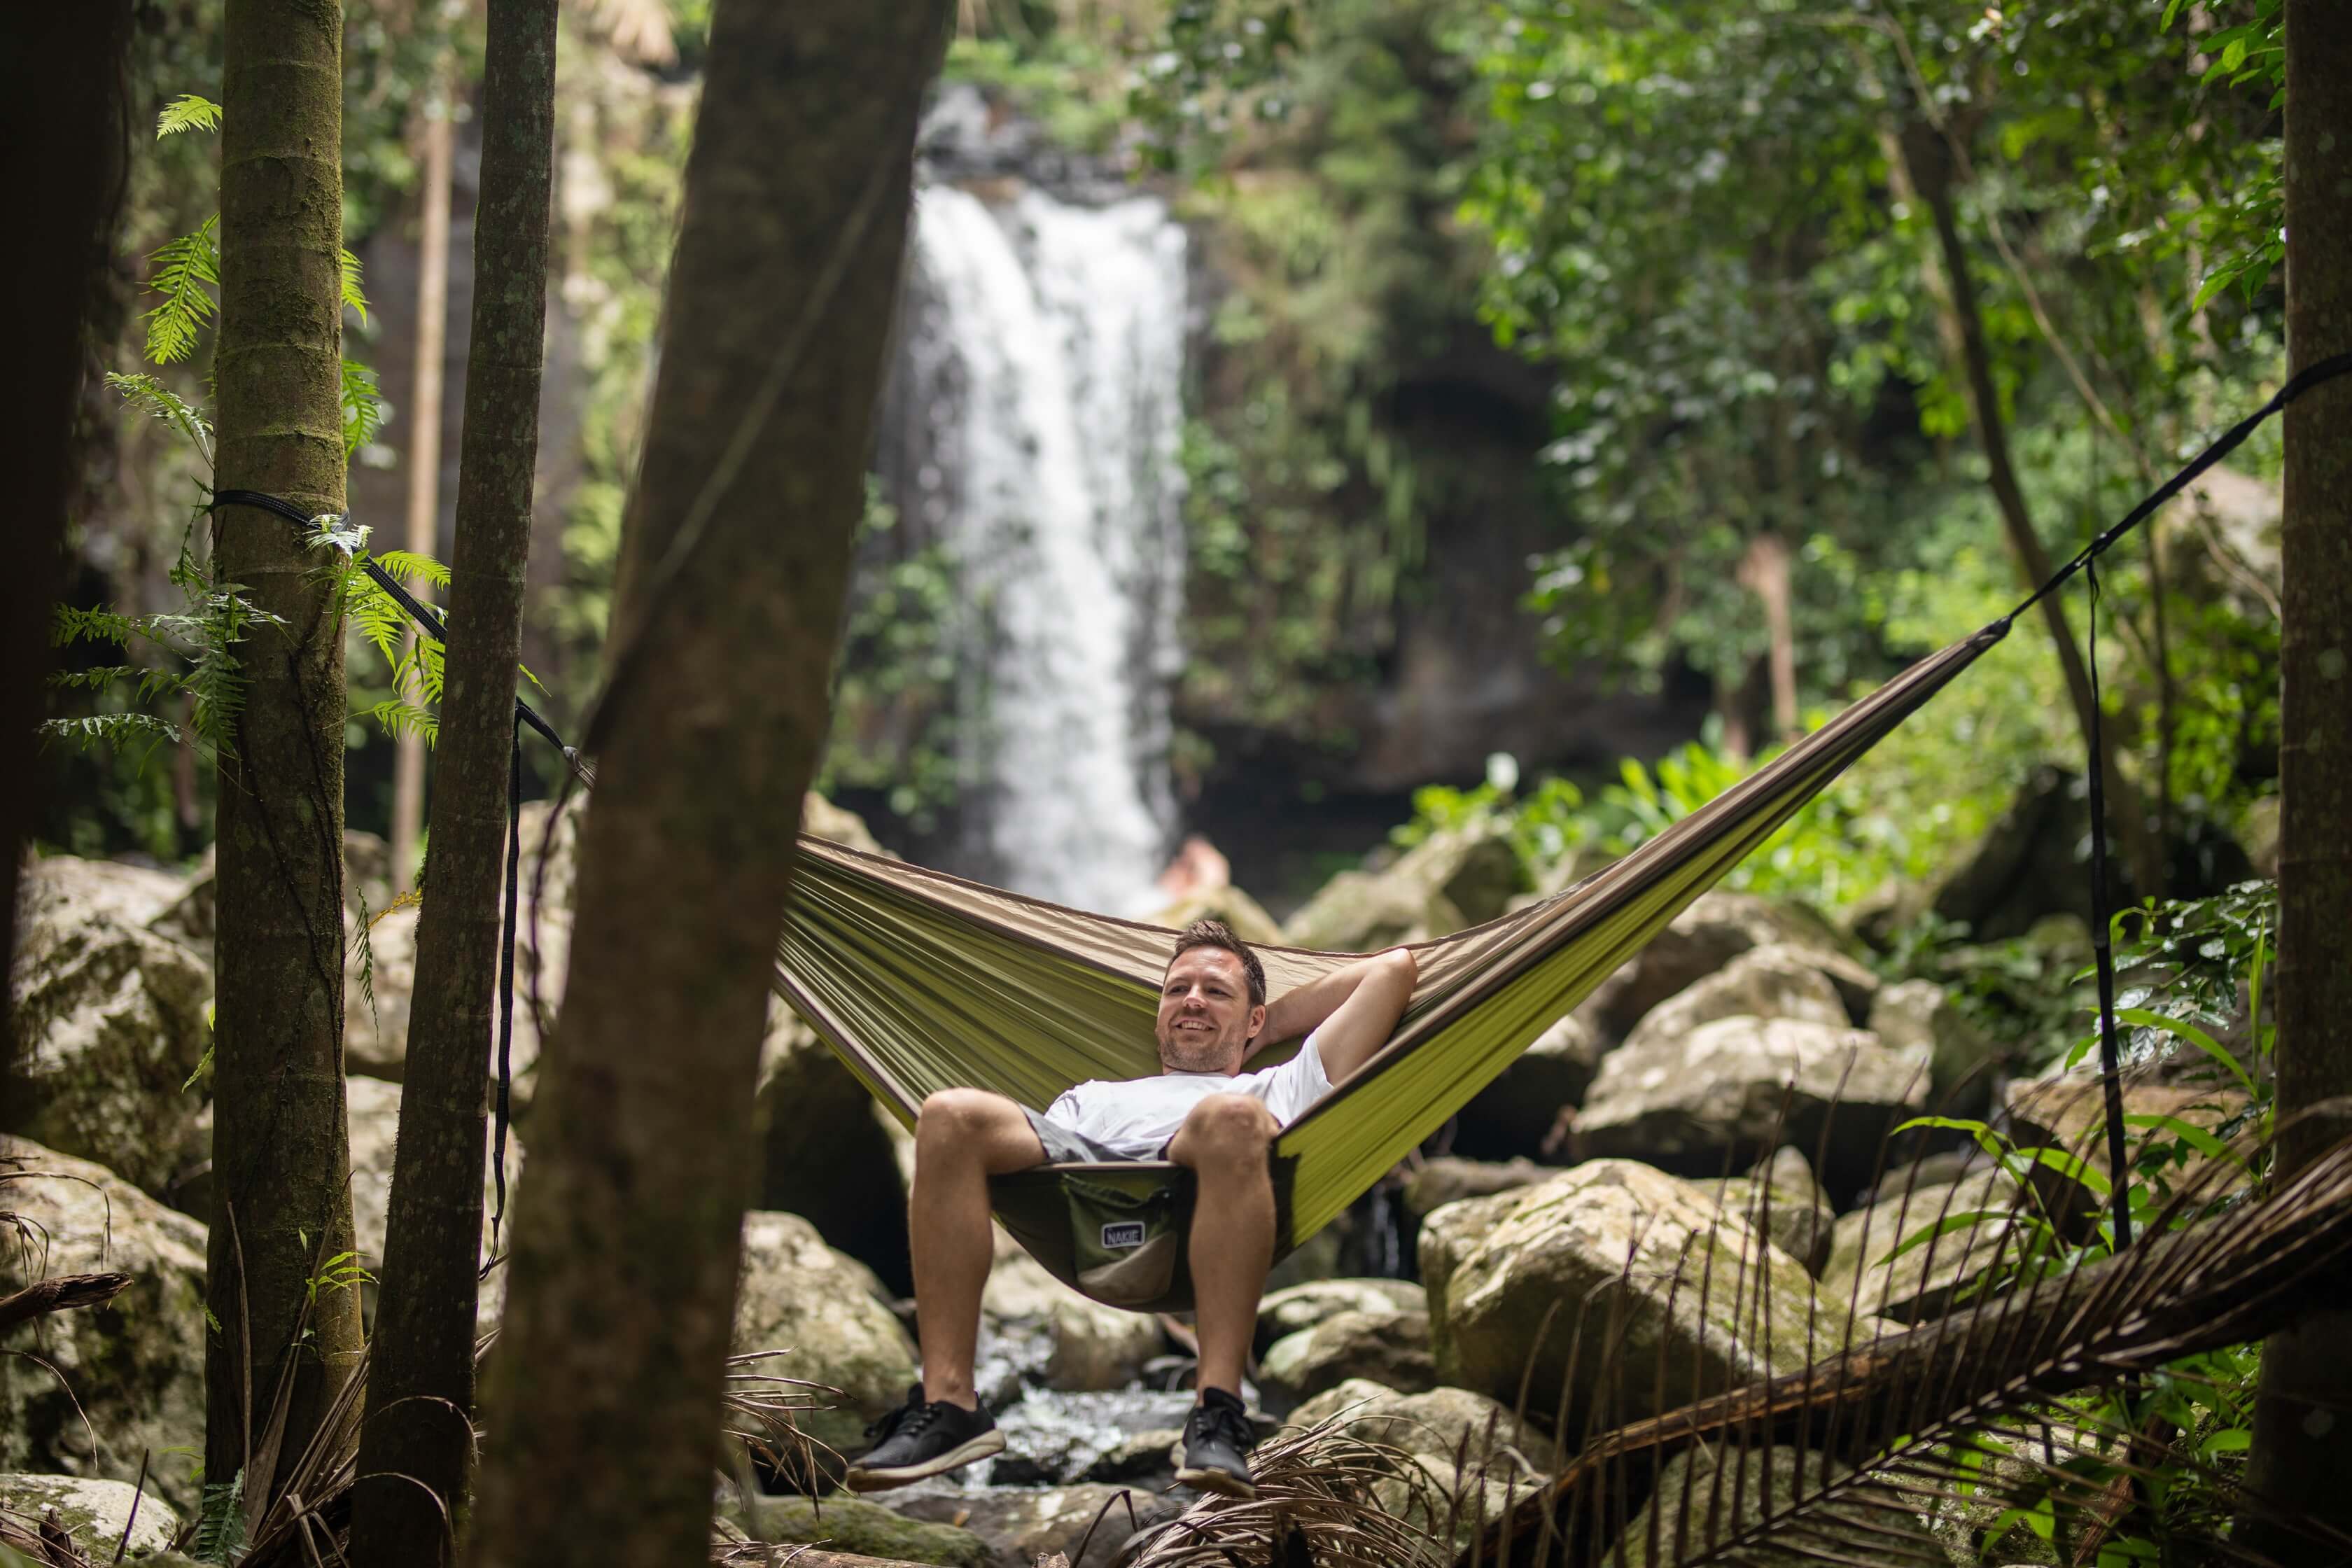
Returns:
<point x="1048" y="366"/>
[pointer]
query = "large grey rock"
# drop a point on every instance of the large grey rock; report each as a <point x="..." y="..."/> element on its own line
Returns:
<point x="1300" y="1306"/>
<point x="1447" y="1180"/>
<point x="134" y="1367"/>
<point x="1245" y="914"/>
<point x="1919" y="1020"/>
<point x="1474" y="1456"/>
<point x="1608" y="1277"/>
<point x="1731" y="1090"/>
<point x="99" y="1516"/>
<point x="1073" y="1343"/>
<point x="1700" y="1503"/>
<point x="798" y="1295"/>
<point x="379" y="994"/>
<point x="1511" y="1116"/>
<point x="1933" y="1276"/>
<point x="851" y="1525"/>
<point x="112" y="1017"/>
<point x="372" y="1109"/>
<point x="367" y="860"/>
<point x="1716" y="928"/>
<point x="1024" y="1526"/>
<point x="826" y="1153"/>
<point x="1455" y="877"/>
<point x="1798" y="1221"/>
<point x="1389" y="1348"/>
<point x="1449" y="1234"/>
<point x="1770" y="982"/>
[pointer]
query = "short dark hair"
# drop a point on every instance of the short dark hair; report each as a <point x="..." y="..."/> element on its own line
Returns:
<point x="1217" y="933"/>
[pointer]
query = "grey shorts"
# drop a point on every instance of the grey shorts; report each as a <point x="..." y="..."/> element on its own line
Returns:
<point x="1068" y="1146"/>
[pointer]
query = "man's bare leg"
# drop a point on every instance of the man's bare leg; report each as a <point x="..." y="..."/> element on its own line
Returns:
<point x="962" y="1137"/>
<point x="1224" y="1142"/>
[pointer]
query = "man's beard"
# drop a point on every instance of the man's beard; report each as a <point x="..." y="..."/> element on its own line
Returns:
<point x="1184" y="1054"/>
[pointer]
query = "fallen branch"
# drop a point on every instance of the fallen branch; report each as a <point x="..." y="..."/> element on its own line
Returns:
<point x="63" y="1293"/>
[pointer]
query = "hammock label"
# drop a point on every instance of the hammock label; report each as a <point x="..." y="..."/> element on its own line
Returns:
<point x="1125" y="1233"/>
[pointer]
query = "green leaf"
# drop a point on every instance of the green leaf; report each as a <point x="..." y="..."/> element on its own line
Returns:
<point x="1966" y="1219"/>
<point x="2228" y="1440"/>
<point x="185" y="269"/>
<point x="2189" y="1034"/>
<point x="352" y="294"/>
<point x="143" y="391"/>
<point x="187" y="112"/>
<point x="2197" y="1138"/>
<point x="362" y="406"/>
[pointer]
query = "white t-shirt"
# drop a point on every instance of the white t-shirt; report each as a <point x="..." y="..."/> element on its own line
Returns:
<point x="1138" y="1116"/>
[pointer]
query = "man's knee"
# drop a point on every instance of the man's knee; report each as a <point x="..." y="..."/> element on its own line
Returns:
<point x="959" y="1113"/>
<point x="1230" y="1126"/>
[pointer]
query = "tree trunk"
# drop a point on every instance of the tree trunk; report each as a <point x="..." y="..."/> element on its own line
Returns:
<point x="1764" y="572"/>
<point x="425" y="440"/>
<point x="421" y="1374"/>
<point x="2301" y="1458"/>
<point x="1926" y="162"/>
<point x="280" y="1150"/>
<point x="604" y="1404"/>
<point x="61" y="117"/>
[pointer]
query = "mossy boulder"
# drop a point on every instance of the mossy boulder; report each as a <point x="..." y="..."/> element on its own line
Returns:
<point x="1615" y="1282"/>
<point x="847" y="1524"/>
<point x="95" y="1513"/>
<point x="1456" y="877"/>
<point x="1702" y="1500"/>
<point x="1930" y="1278"/>
<point x="112" y="1019"/>
<point x="1921" y="1020"/>
<point x="1390" y="1348"/>
<point x="134" y="1367"/>
<point x="798" y="1295"/>
<point x="1472" y="1454"/>
<point x="1301" y="1307"/>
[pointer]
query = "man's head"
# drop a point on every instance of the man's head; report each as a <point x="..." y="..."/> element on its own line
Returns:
<point x="1211" y="1001"/>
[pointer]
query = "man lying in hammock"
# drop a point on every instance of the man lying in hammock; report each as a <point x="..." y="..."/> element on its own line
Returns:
<point x="1202" y="1111"/>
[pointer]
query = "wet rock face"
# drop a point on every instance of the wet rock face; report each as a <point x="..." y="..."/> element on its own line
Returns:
<point x="113" y="1016"/>
<point x="1730" y="1090"/>
<point x="800" y="1295"/>
<point x="135" y="1367"/>
<point x="1617" y="1254"/>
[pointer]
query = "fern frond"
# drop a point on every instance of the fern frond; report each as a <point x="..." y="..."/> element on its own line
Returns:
<point x="220" y="1527"/>
<point x="95" y="679"/>
<point x="353" y="295"/>
<point x="185" y="269"/>
<point x="362" y="406"/>
<point x="402" y="720"/>
<point x="187" y="112"/>
<point x="1840" y="1462"/>
<point x="92" y="731"/>
<point x="145" y="391"/>
<point x="411" y="567"/>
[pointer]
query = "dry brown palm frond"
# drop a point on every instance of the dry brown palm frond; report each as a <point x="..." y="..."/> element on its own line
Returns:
<point x="1357" y="1504"/>
<point x="1845" y="1461"/>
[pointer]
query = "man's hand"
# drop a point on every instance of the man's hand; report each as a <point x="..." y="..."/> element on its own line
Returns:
<point x="1357" y="1007"/>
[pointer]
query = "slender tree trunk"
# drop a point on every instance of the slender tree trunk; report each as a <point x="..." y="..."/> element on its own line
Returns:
<point x="62" y="108"/>
<point x="425" y="440"/>
<point x="2301" y="1458"/>
<point x="280" y="1151"/>
<point x="1927" y="160"/>
<point x="603" y="1406"/>
<point x="421" y="1374"/>
<point x="1764" y="572"/>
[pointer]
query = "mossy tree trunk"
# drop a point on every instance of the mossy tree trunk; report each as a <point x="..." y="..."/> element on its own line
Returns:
<point x="2301" y="1459"/>
<point x="281" y="1149"/>
<point x="604" y="1399"/>
<point x="421" y="1373"/>
<point x="61" y="117"/>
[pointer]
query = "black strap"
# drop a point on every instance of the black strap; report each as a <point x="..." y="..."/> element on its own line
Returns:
<point x="2102" y="951"/>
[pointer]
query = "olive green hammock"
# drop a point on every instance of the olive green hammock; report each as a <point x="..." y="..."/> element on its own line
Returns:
<point x="922" y="981"/>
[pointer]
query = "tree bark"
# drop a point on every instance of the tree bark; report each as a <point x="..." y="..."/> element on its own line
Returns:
<point x="1926" y="162"/>
<point x="62" y="109"/>
<point x="280" y="1150"/>
<point x="421" y="1375"/>
<point x="603" y="1403"/>
<point x="425" y="440"/>
<point x="2301" y="1458"/>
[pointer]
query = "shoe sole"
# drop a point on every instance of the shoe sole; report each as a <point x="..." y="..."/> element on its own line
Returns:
<point x="1224" y="1483"/>
<point x="860" y="1479"/>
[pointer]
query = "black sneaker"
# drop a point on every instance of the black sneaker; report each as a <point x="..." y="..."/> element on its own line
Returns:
<point x="923" y="1437"/>
<point x="1217" y="1439"/>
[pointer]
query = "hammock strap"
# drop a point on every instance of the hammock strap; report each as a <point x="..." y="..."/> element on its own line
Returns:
<point x="2102" y="949"/>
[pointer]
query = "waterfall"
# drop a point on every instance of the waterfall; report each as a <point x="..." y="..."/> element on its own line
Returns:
<point x="1042" y="363"/>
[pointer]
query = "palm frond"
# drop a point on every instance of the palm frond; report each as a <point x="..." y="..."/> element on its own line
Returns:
<point x="1361" y="1504"/>
<point x="1851" y="1458"/>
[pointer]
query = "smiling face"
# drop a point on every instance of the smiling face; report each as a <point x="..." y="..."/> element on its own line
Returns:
<point x="1206" y="1017"/>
